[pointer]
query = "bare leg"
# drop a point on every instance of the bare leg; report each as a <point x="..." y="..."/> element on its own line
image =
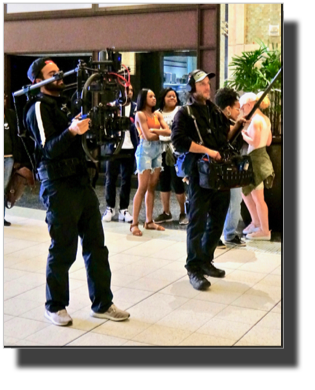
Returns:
<point x="165" y="198"/>
<point x="149" y="198"/>
<point x="251" y="206"/>
<point x="262" y="211"/>
<point x="181" y="199"/>
<point x="143" y="182"/>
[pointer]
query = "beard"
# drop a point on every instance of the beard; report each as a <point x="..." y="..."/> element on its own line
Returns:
<point x="200" y="98"/>
<point x="55" y="87"/>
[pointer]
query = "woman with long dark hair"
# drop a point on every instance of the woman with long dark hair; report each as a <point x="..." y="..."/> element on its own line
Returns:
<point x="148" y="157"/>
<point x="168" y="107"/>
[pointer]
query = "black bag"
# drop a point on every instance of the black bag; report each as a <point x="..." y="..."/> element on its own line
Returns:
<point x="232" y="172"/>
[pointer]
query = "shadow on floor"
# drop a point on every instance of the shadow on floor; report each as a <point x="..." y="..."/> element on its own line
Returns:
<point x="30" y="199"/>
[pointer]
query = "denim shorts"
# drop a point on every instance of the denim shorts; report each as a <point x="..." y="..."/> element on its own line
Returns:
<point x="148" y="155"/>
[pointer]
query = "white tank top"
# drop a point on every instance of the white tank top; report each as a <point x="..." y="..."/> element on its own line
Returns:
<point x="265" y="132"/>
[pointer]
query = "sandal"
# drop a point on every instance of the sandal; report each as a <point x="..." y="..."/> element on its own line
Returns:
<point x="136" y="232"/>
<point x="156" y="226"/>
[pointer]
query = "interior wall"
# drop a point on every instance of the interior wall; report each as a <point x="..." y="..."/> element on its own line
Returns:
<point x="152" y="31"/>
<point x="249" y="24"/>
<point x="193" y="29"/>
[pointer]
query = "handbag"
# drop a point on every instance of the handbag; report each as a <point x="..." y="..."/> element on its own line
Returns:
<point x="232" y="172"/>
<point x="180" y="165"/>
<point x="19" y="179"/>
<point x="169" y="156"/>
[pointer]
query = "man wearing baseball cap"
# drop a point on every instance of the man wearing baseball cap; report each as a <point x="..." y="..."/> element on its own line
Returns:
<point x="71" y="203"/>
<point x="207" y="208"/>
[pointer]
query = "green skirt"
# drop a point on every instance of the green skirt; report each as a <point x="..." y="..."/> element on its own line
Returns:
<point x="262" y="168"/>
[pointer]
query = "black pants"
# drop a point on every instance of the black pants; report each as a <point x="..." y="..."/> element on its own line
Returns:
<point x="72" y="212"/>
<point x="169" y="178"/>
<point x="207" y="212"/>
<point x="125" y="166"/>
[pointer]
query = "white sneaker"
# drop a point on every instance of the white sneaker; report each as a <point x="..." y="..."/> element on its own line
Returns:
<point x="60" y="318"/>
<point x="113" y="313"/>
<point x="251" y="228"/>
<point x="108" y="215"/>
<point x="125" y="216"/>
<point x="257" y="236"/>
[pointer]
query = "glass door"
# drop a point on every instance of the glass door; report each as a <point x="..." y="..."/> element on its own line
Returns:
<point x="176" y="67"/>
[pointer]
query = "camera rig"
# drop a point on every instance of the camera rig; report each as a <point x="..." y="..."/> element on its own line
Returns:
<point x="101" y="94"/>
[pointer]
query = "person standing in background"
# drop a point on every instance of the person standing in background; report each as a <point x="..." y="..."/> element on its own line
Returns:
<point x="123" y="163"/>
<point x="150" y="126"/>
<point x="168" y="107"/>
<point x="11" y="150"/>
<point x="228" y="100"/>
<point x="258" y="135"/>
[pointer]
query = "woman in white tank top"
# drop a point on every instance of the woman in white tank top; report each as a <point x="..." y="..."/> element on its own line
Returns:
<point x="258" y="135"/>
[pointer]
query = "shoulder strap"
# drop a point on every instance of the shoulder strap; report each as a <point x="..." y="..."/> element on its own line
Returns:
<point x="195" y="122"/>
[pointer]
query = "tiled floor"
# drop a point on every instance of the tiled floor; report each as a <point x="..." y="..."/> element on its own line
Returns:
<point x="148" y="279"/>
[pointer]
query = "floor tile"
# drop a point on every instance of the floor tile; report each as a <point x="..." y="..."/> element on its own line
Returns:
<point x="255" y="337"/>
<point x="96" y="340"/>
<point x="150" y="282"/>
<point x="22" y="327"/>
<point x="271" y="320"/>
<point x="132" y="295"/>
<point x="222" y="328"/>
<point x="53" y="335"/>
<point x="162" y="335"/>
<point x="181" y="288"/>
<point x="186" y="319"/>
<point x="253" y="301"/>
<point x="14" y="288"/>
<point x="198" y="339"/>
<point x="147" y="283"/>
<point x="241" y="314"/>
<point x="124" y="329"/>
<point x="16" y="306"/>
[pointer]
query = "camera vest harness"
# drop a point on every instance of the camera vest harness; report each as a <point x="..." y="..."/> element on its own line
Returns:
<point x="45" y="167"/>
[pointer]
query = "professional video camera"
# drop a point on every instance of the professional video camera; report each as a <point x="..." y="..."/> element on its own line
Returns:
<point x="101" y="94"/>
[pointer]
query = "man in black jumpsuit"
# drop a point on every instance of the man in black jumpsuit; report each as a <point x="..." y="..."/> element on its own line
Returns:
<point x="207" y="208"/>
<point x="72" y="205"/>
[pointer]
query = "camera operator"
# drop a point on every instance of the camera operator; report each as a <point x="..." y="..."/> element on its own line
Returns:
<point x="124" y="164"/>
<point x="207" y="208"/>
<point x="72" y="205"/>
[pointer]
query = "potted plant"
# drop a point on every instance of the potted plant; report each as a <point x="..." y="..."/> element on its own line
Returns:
<point x="252" y="72"/>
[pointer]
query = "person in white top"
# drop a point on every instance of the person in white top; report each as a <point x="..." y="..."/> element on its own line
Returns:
<point x="169" y="105"/>
<point x="123" y="165"/>
<point x="258" y="135"/>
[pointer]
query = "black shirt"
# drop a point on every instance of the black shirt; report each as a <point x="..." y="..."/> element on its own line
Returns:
<point x="213" y="127"/>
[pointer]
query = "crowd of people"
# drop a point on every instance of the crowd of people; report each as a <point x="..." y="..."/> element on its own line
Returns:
<point x="158" y="134"/>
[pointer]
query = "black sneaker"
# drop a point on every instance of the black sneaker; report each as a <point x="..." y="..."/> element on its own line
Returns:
<point x="6" y="223"/>
<point x="221" y="245"/>
<point x="210" y="270"/>
<point x="236" y="241"/>
<point x="164" y="218"/>
<point x="198" y="281"/>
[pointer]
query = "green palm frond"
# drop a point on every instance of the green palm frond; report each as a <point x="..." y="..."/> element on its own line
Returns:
<point x="253" y="71"/>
